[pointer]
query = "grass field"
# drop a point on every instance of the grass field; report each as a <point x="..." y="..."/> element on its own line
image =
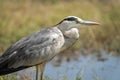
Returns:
<point x="19" y="18"/>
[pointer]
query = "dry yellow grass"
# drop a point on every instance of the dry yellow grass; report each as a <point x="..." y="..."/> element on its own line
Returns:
<point x="19" y="18"/>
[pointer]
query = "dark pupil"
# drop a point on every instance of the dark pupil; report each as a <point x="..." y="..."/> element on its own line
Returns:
<point x="70" y="19"/>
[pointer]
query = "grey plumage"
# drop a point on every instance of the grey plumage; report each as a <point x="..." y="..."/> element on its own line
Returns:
<point x="33" y="49"/>
<point x="41" y="46"/>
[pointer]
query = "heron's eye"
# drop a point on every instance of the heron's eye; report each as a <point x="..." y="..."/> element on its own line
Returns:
<point x="77" y="21"/>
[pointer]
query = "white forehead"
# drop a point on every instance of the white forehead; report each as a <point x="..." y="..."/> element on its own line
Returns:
<point x="72" y="16"/>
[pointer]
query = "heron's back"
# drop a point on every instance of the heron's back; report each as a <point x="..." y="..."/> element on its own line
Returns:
<point x="32" y="50"/>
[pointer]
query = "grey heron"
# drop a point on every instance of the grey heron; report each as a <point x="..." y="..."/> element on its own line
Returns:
<point x="40" y="47"/>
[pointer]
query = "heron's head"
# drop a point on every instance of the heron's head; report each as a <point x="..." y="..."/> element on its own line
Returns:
<point x="73" y="22"/>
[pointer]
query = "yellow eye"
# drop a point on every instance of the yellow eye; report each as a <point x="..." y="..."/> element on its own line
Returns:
<point x="77" y="21"/>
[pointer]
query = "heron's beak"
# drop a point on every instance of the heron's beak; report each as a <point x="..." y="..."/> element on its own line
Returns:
<point x="89" y="22"/>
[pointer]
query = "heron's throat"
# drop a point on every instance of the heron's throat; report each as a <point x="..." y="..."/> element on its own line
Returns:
<point x="63" y="27"/>
<point x="73" y="33"/>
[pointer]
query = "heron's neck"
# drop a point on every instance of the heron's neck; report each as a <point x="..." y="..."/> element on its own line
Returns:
<point x="63" y="27"/>
<point x="70" y="37"/>
<point x="73" y="32"/>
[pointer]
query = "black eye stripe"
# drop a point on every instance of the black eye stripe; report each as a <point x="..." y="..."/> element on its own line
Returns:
<point x="70" y="19"/>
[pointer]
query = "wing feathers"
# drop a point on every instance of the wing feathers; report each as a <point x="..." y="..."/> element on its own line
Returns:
<point x="17" y="58"/>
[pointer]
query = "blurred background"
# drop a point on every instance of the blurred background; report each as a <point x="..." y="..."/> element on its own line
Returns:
<point x="96" y="52"/>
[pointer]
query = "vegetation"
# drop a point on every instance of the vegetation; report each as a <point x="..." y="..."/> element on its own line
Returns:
<point x="19" y="18"/>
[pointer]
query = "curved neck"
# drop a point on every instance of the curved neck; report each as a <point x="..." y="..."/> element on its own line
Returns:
<point x="63" y="27"/>
<point x="70" y="37"/>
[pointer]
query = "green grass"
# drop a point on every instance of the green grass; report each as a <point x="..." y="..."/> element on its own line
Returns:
<point x="8" y="77"/>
